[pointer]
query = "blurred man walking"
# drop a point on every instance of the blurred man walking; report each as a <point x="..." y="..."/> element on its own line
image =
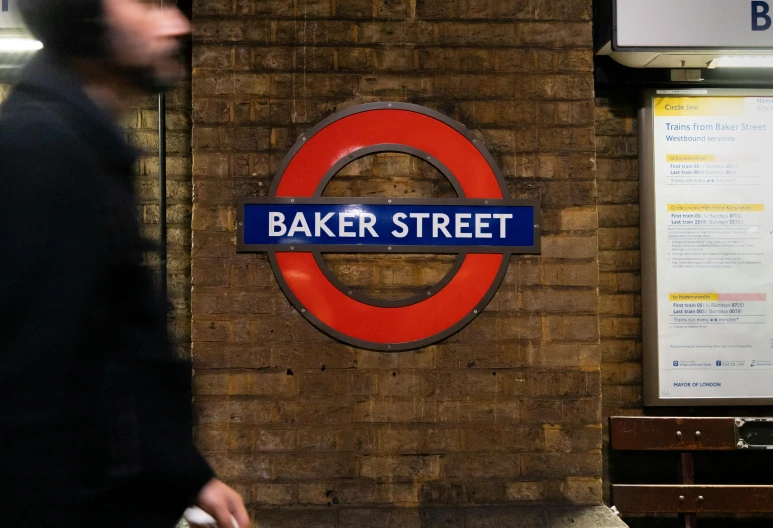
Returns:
<point x="95" y="418"/>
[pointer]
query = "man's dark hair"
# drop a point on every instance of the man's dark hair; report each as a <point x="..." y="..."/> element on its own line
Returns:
<point x="73" y="28"/>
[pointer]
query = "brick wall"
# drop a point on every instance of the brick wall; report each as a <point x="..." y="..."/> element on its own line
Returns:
<point x="619" y="259"/>
<point x="506" y="412"/>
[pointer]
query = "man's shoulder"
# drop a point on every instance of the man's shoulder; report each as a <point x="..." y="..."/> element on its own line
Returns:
<point x="26" y="122"/>
<point x="38" y="148"/>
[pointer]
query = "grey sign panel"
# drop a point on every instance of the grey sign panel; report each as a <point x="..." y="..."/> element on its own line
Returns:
<point x="9" y="16"/>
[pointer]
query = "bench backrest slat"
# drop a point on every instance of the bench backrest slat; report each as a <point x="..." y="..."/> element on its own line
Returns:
<point x="672" y="434"/>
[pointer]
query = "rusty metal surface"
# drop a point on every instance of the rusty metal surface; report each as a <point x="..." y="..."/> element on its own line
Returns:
<point x="672" y="434"/>
<point x="692" y="498"/>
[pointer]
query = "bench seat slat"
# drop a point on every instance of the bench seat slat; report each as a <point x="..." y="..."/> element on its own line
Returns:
<point x="716" y="499"/>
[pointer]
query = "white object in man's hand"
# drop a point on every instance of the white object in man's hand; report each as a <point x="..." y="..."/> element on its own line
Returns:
<point x="198" y="517"/>
<point x="225" y="507"/>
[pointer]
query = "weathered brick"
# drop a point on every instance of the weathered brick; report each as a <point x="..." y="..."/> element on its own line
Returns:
<point x="436" y="9"/>
<point x="569" y="247"/>
<point x="617" y="305"/>
<point x="563" y="355"/>
<point x="619" y="215"/>
<point x="398" y="493"/>
<point x="616" y="146"/>
<point x="277" y="385"/>
<point x="318" y="32"/>
<point x="354" y="8"/>
<point x="395" y="411"/>
<point x="275" y="440"/>
<point x="489" y="465"/>
<point x="236" y="441"/>
<point x="479" y="412"/>
<point x="317" y="465"/>
<point x="582" y="412"/>
<point x="424" y="358"/>
<point x="525" y="491"/>
<point x="622" y="373"/>
<point x="554" y="34"/>
<point x="317" y="383"/>
<point x="400" y="467"/>
<point x="479" y="34"/>
<point x="387" y="517"/>
<point x="619" y="238"/>
<point x="488" y="328"/>
<point x="573" y="328"/>
<point x="234" y="412"/>
<point x="330" y="493"/>
<point x="509" y="355"/>
<point x="626" y="192"/>
<point x="313" y="518"/>
<point x="234" y="356"/>
<point x="544" y="301"/>
<point x="272" y="494"/>
<point x="614" y="351"/>
<point x="580" y="490"/>
<point x="620" y="260"/>
<point x="617" y="169"/>
<point x="560" y="465"/>
<point x="357" y="438"/>
<point x="238" y="301"/>
<point x="314" y="357"/>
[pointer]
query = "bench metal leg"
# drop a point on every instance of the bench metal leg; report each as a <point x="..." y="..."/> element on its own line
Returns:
<point x="687" y="476"/>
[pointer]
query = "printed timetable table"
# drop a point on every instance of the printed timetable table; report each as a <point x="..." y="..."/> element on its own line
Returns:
<point x="713" y="200"/>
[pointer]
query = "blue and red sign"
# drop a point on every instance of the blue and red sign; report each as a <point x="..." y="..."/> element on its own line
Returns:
<point x="295" y="225"/>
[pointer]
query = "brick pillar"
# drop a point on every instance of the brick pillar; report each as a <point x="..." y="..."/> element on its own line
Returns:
<point x="505" y="413"/>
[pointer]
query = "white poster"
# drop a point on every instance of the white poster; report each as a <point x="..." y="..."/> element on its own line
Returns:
<point x="713" y="173"/>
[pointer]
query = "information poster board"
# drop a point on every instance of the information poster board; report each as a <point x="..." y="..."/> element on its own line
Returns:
<point x="707" y="246"/>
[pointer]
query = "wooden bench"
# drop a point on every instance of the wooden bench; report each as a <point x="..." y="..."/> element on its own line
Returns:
<point x="687" y="435"/>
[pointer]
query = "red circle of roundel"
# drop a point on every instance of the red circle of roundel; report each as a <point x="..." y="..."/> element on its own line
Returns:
<point x="348" y="319"/>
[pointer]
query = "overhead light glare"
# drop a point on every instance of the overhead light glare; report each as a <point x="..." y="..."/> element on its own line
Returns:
<point x="20" y="44"/>
<point x="743" y="61"/>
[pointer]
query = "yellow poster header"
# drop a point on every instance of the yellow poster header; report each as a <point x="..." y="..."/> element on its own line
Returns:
<point x="693" y="297"/>
<point x="716" y="208"/>
<point x="699" y="106"/>
<point x="690" y="158"/>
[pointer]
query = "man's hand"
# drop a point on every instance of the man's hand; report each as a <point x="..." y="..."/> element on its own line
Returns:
<point x="221" y="502"/>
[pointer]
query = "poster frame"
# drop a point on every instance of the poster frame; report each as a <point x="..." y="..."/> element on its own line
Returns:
<point x="649" y="257"/>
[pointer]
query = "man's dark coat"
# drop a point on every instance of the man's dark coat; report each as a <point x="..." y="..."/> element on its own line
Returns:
<point x="95" y="413"/>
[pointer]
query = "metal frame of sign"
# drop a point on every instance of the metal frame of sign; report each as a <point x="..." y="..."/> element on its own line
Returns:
<point x="649" y="257"/>
<point x="473" y="267"/>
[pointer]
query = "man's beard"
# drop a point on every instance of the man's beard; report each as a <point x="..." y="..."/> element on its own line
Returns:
<point x="148" y="80"/>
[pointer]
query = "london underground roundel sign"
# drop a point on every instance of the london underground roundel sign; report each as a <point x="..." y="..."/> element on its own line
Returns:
<point x="295" y="225"/>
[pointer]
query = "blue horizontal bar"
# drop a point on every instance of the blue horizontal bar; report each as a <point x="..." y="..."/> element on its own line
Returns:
<point x="389" y="225"/>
